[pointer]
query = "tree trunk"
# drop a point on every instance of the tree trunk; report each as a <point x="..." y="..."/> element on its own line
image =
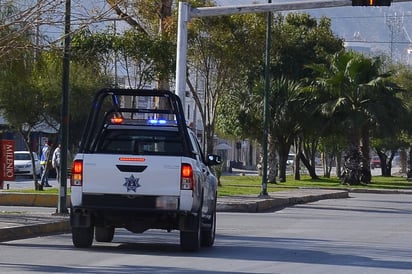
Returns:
<point x="409" y="173"/>
<point x="339" y="164"/>
<point x="403" y="161"/>
<point x="352" y="166"/>
<point x="309" y="153"/>
<point x="365" y="149"/>
<point x="272" y="161"/>
<point x="309" y="167"/>
<point x="26" y="137"/>
<point x="296" y="161"/>
<point x="386" y="163"/>
<point x="165" y="11"/>
<point x="327" y="160"/>
<point x="283" y="157"/>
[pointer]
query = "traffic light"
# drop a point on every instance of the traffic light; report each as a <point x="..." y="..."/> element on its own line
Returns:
<point x="371" y="3"/>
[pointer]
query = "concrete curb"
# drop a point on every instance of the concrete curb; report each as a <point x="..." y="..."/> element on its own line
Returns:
<point x="24" y="199"/>
<point x="47" y="227"/>
<point x="276" y="200"/>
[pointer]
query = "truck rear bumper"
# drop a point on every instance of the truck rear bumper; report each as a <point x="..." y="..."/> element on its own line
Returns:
<point x="136" y="220"/>
<point x="129" y="211"/>
<point x="130" y="202"/>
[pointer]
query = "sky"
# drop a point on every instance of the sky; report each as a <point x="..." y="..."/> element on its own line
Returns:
<point x="385" y="29"/>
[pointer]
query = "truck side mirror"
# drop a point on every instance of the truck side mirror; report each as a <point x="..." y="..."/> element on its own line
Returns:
<point x="213" y="160"/>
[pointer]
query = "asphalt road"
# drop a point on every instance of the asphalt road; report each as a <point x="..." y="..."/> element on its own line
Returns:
<point x="368" y="233"/>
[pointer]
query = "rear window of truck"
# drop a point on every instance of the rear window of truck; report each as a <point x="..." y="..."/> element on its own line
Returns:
<point x="140" y="142"/>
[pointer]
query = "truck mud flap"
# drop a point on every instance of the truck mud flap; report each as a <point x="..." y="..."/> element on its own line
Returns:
<point x="188" y="222"/>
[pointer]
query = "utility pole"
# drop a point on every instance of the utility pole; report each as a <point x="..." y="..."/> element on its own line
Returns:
<point x="62" y="205"/>
<point x="264" y="190"/>
<point x="394" y="23"/>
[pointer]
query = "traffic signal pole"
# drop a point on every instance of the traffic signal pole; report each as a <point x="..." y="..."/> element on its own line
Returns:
<point x="186" y="12"/>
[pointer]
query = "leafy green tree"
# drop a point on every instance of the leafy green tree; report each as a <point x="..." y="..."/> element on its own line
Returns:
<point x="85" y="80"/>
<point x="363" y="98"/>
<point x="330" y="148"/>
<point x="403" y="77"/>
<point x="297" y="40"/>
<point x="213" y="61"/>
<point x="157" y="21"/>
<point x="20" y="102"/>
<point x="287" y="105"/>
<point x="140" y="57"/>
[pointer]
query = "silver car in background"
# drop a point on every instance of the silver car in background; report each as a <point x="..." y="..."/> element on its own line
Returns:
<point x="23" y="163"/>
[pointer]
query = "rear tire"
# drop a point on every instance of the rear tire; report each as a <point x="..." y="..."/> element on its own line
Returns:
<point x="104" y="234"/>
<point x="190" y="240"/>
<point x="82" y="237"/>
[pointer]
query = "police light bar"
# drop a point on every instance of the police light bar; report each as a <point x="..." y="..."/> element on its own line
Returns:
<point x="157" y="122"/>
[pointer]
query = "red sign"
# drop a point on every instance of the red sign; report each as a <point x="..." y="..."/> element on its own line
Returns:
<point x="7" y="160"/>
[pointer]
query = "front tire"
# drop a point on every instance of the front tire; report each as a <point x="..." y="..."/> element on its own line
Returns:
<point x="104" y="234"/>
<point x="82" y="237"/>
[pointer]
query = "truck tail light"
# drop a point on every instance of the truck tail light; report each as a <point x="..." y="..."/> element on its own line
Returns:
<point x="77" y="173"/>
<point x="187" y="180"/>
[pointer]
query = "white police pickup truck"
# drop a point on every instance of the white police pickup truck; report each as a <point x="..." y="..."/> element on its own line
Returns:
<point x="140" y="167"/>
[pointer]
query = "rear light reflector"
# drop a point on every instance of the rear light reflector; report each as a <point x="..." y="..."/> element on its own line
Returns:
<point x="132" y="159"/>
<point x="187" y="180"/>
<point x="77" y="173"/>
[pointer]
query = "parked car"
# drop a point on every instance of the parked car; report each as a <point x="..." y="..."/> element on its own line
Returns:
<point x="23" y="164"/>
<point x="291" y="159"/>
<point x="375" y="162"/>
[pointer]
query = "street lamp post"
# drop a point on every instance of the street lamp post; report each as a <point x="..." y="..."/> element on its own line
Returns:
<point x="264" y="191"/>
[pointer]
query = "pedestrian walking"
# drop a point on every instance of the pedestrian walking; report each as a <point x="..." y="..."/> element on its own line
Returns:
<point x="56" y="161"/>
<point x="44" y="160"/>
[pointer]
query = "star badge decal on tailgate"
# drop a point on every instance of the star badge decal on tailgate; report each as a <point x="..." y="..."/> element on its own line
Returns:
<point x="131" y="183"/>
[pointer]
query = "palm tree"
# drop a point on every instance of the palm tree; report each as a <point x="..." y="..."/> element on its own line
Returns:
<point x="362" y="99"/>
<point x="285" y="107"/>
<point x="287" y="103"/>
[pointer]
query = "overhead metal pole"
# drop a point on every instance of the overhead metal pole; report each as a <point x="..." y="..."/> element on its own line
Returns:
<point x="264" y="191"/>
<point x="181" y="56"/>
<point x="62" y="205"/>
<point x="186" y="12"/>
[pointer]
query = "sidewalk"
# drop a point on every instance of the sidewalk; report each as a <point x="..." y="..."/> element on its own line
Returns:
<point x="32" y="215"/>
